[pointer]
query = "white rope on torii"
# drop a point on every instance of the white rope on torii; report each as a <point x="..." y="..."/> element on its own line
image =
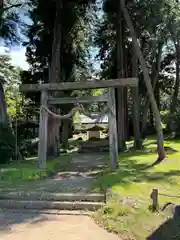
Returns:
<point x="61" y="117"/>
<point x="78" y="107"/>
<point x="98" y="117"/>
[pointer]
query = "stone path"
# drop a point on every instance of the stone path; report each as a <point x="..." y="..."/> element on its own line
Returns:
<point x="24" y="225"/>
<point x="50" y="227"/>
<point x="85" y="168"/>
<point x="80" y="178"/>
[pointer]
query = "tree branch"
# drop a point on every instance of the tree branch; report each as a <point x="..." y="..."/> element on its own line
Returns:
<point x="2" y="10"/>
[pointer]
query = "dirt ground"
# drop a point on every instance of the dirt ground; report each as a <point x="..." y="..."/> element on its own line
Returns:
<point x="20" y="226"/>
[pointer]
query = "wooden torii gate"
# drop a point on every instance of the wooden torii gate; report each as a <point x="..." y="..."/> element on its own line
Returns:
<point x="48" y="100"/>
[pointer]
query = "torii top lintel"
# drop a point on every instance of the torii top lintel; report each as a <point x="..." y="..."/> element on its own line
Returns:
<point x="79" y="85"/>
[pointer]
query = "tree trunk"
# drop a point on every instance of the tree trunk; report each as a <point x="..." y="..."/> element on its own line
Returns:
<point x="126" y="75"/>
<point x="151" y="119"/>
<point x="160" y="138"/>
<point x="54" y="76"/>
<point x="154" y="77"/>
<point x="176" y="89"/>
<point x="120" y="92"/>
<point x="3" y="108"/>
<point x="6" y="130"/>
<point x="65" y="133"/>
<point x="157" y="94"/>
<point x="177" y="83"/>
<point x="135" y="99"/>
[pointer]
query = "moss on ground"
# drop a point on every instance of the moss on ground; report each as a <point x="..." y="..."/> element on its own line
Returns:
<point x="26" y="172"/>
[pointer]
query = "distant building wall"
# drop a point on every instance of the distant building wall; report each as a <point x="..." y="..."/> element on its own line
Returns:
<point x="94" y="134"/>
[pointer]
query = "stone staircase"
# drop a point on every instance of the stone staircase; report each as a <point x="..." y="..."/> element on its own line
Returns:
<point x="51" y="201"/>
<point x="94" y="146"/>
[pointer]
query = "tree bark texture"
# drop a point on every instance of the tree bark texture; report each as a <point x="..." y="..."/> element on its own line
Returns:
<point x="135" y="99"/>
<point x="160" y="138"/>
<point x="177" y="83"/>
<point x="3" y="108"/>
<point x="54" y="76"/>
<point x="65" y="133"/>
<point x="121" y="93"/>
<point x="176" y="88"/>
<point x="154" y="76"/>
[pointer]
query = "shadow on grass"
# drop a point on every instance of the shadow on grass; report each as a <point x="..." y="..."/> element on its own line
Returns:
<point x="168" y="150"/>
<point x="169" y="230"/>
<point x="174" y="139"/>
<point x="131" y="171"/>
<point x="151" y="142"/>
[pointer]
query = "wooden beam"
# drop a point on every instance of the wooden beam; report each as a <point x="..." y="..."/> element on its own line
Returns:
<point x="84" y="99"/>
<point x="154" y="197"/>
<point x="113" y="140"/>
<point x="79" y="85"/>
<point x="42" y="149"/>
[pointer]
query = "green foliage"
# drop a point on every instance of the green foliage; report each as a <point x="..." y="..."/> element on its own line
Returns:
<point x="75" y="41"/>
<point x="159" y="26"/>
<point x="10" y="77"/>
<point x="10" y="80"/>
<point x="174" y="119"/>
<point x="10" y="21"/>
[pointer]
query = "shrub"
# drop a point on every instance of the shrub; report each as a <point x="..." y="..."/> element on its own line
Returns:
<point x="172" y="122"/>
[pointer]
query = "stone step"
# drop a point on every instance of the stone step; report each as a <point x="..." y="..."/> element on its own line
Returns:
<point x="46" y="196"/>
<point x="48" y="212"/>
<point x="56" y="205"/>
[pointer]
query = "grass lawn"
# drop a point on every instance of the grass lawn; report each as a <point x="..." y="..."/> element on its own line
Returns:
<point x="25" y="173"/>
<point x="134" y="182"/>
